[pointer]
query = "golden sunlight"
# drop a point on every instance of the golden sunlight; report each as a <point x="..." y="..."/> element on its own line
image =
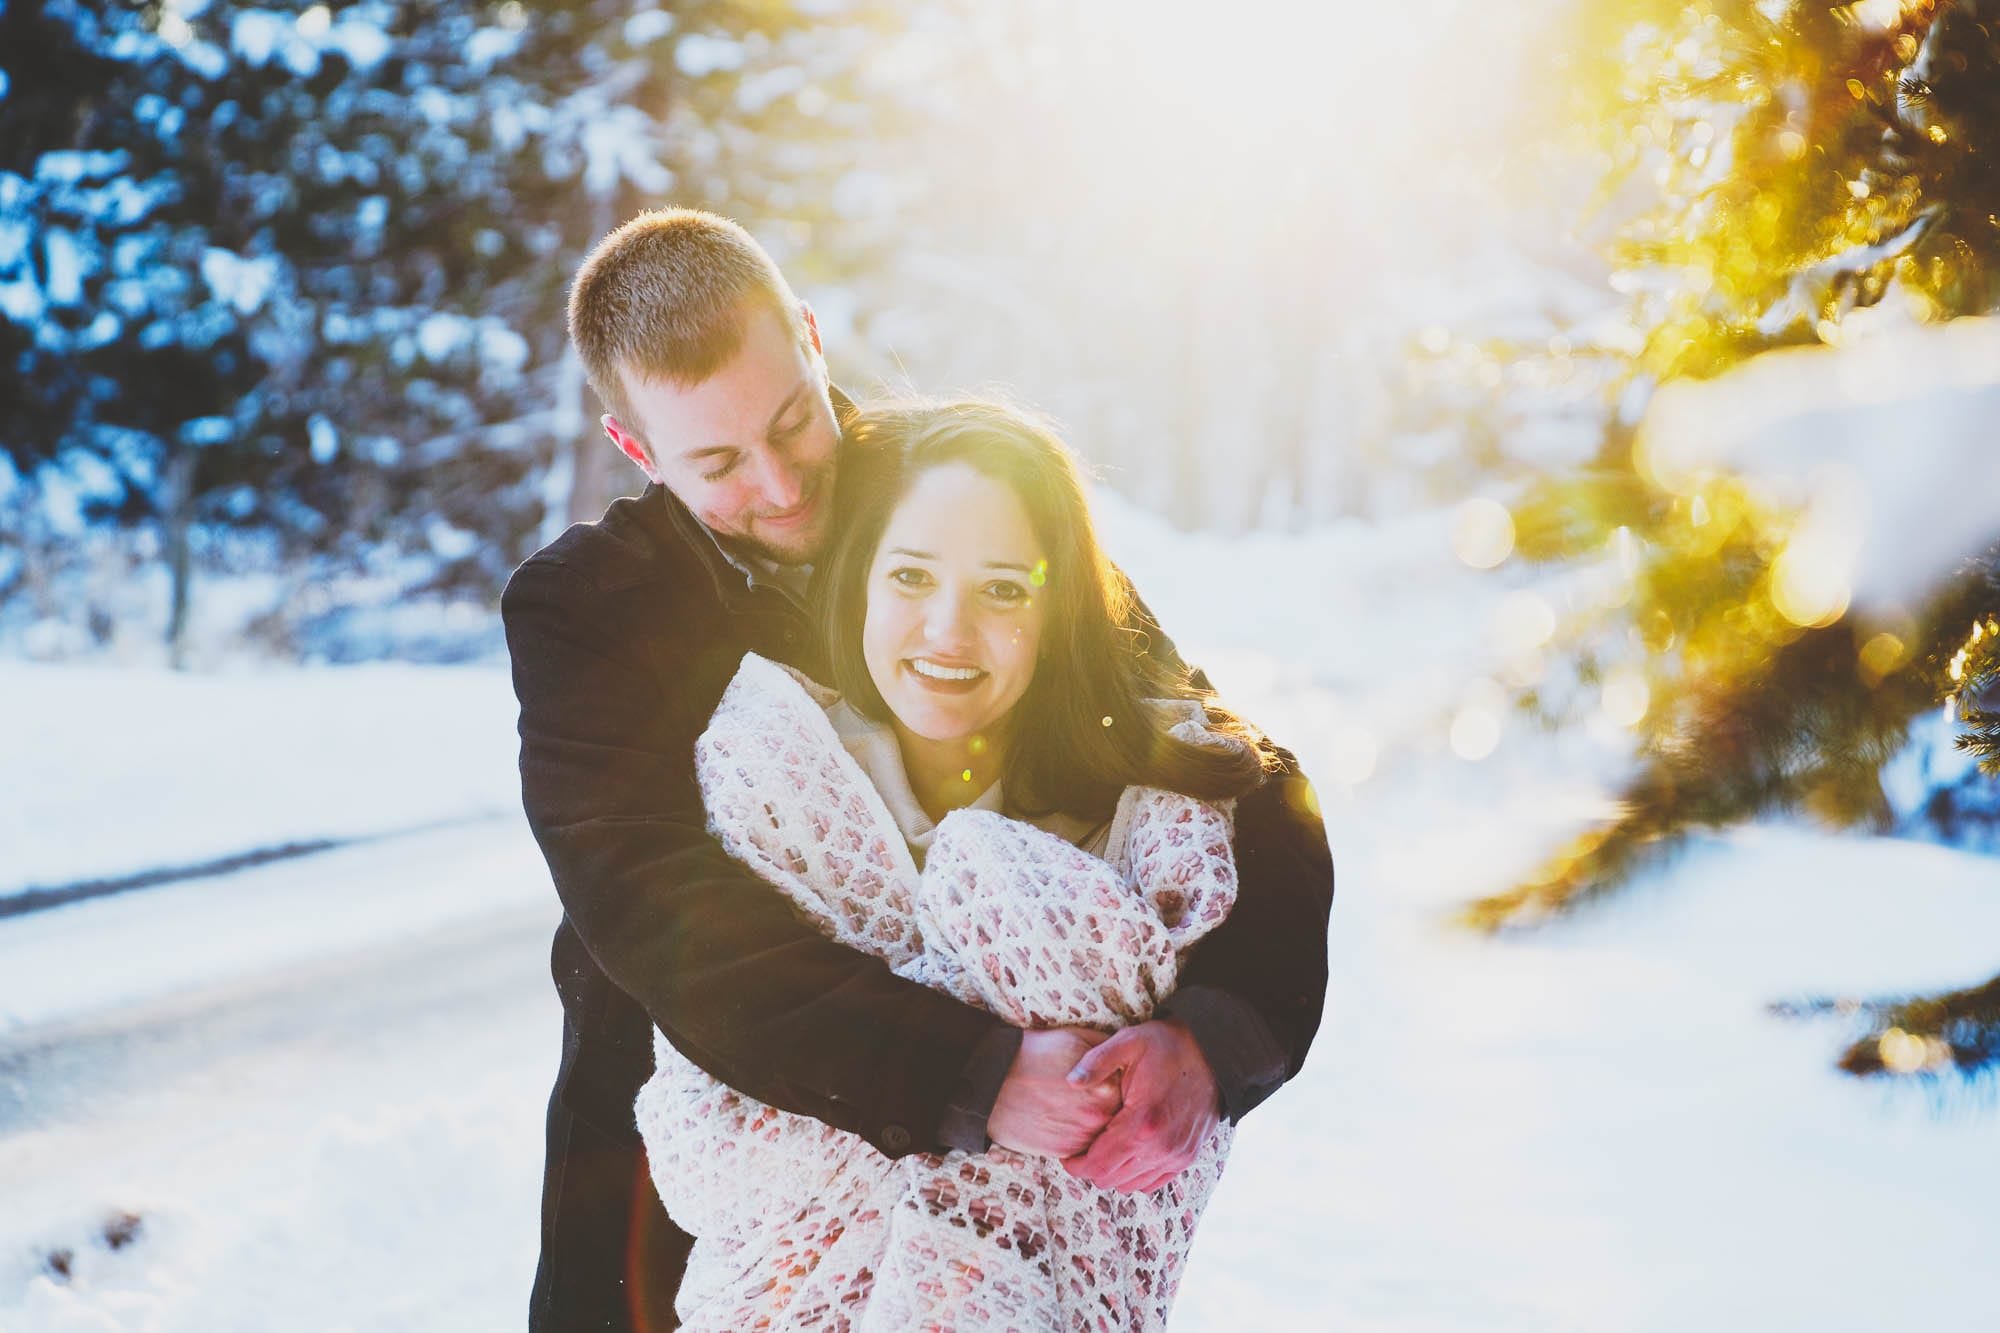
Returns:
<point x="1809" y="586"/>
<point x="1482" y="533"/>
<point x="1626" y="697"/>
<point x="1880" y="656"/>
<point x="1522" y="622"/>
<point x="1251" y="93"/>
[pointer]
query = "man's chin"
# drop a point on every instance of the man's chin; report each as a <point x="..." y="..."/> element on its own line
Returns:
<point x="791" y="548"/>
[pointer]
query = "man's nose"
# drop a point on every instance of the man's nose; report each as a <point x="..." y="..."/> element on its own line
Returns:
<point x="782" y="483"/>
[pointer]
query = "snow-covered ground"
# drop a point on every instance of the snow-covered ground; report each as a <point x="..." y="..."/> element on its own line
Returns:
<point x="318" y="1084"/>
<point x="113" y="772"/>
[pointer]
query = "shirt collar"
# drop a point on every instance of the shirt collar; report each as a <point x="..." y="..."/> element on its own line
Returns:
<point x="760" y="571"/>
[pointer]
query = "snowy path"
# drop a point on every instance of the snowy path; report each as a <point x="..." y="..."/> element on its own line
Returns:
<point x="310" y="1142"/>
<point x="112" y="772"/>
<point x="265" y="1030"/>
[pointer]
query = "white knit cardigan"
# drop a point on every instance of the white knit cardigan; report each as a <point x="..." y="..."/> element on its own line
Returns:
<point x="801" y="1226"/>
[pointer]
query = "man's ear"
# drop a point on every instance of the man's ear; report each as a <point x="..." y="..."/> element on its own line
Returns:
<point x="630" y="445"/>
<point x="812" y="327"/>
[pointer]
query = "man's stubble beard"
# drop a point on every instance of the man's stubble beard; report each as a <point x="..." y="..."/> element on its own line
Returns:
<point x="815" y="543"/>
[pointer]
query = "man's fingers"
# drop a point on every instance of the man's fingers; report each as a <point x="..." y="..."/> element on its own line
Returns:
<point x="1100" y="1062"/>
<point x="1146" y="1173"/>
<point x="1129" y="1157"/>
<point x="1132" y="1174"/>
<point x="1108" y="1155"/>
<point x="1104" y="1174"/>
<point x="1159" y="1127"/>
<point x="1134" y="1132"/>
<point x="1129" y="1176"/>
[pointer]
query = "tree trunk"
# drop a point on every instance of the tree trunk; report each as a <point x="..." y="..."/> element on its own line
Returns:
<point x="590" y="484"/>
<point x="180" y="571"/>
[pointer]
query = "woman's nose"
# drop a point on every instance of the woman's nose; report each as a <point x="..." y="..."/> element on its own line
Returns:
<point x="946" y="623"/>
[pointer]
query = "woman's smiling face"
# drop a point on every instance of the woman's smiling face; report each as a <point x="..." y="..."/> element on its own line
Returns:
<point x="955" y="607"/>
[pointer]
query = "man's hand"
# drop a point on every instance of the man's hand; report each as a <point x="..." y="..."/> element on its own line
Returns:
<point x="1039" y="1110"/>
<point x="1171" y="1106"/>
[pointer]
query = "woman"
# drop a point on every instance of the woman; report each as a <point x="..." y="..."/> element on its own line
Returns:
<point x="1007" y="800"/>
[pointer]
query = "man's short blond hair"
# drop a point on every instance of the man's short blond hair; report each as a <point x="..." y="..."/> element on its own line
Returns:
<point x="668" y="296"/>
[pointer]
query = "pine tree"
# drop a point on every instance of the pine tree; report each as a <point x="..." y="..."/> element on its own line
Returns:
<point x="298" y="270"/>
<point x="1809" y="161"/>
<point x="262" y="236"/>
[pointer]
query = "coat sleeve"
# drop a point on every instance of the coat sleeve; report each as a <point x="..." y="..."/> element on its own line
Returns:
<point x="735" y="980"/>
<point x="1253" y="990"/>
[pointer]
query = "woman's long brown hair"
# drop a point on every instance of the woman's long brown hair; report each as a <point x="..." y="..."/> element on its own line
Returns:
<point x="1082" y="732"/>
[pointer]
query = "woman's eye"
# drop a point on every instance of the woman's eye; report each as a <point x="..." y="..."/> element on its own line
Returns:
<point x="1007" y="593"/>
<point x="909" y="578"/>
<point x="717" y="474"/>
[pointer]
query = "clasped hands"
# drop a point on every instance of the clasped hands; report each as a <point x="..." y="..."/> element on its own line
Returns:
<point x="1126" y="1112"/>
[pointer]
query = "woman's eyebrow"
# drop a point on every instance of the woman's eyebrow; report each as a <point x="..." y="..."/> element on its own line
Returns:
<point x="990" y="564"/>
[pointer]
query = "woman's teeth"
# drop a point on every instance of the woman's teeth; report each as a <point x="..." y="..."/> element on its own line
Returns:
<point x="936" y="672"/>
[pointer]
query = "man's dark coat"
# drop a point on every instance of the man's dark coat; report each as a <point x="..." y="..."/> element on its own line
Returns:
<point x="623" y="635"/>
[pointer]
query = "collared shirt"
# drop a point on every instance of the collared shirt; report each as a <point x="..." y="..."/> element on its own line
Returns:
<point x="762" y="572"/>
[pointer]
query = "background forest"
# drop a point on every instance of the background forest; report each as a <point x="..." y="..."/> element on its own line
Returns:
<point x="1667" y="326"/>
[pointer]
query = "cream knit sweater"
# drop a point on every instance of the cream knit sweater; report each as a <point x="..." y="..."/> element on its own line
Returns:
<point x="801" y="1226"/>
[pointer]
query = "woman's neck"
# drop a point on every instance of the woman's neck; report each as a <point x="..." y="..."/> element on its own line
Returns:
<point x="949" y="775"/>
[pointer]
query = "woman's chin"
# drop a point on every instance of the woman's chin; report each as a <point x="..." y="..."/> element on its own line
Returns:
<point x="937" y="726"/>
<point x="939" y="732"/>
<point x="931" y="717"/>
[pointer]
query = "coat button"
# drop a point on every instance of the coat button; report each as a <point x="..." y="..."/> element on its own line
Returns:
<point x="895" y="1139"/>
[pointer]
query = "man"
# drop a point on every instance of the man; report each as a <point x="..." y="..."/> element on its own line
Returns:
<point x="623" y="635"/>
